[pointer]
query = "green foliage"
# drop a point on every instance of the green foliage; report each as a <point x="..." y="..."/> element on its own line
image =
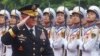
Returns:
<point x="44" y="3"/>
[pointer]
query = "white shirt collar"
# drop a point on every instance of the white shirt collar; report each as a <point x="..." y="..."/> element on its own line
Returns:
<point x="31" y="28"/>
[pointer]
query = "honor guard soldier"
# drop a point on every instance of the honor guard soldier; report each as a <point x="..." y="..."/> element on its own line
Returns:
<point x="48" y="20"/>
<point x="4" y="18"/>
<point x="48" y="17"/>
<point x="70" y="22"/>
<point x="15" y="17"/>
<point x="26" y="38"/>
<point x="59" y="30"/>
<point x="98" y="24"/>
<point x="74" y="33"/>
<point x="39" y="17"/>
<point x="91" y="32"/>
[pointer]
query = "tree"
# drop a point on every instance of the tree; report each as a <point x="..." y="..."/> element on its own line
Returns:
<point x="44" y="3"/>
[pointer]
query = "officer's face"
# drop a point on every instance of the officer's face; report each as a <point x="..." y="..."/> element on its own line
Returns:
<point x="2" y="20"/>
<point x="60" y="18"/>
<point x="76" y="18"/>
<point x="32" y="21"/>
<point x="91" y="16"/>
<point x="46" y="19"/>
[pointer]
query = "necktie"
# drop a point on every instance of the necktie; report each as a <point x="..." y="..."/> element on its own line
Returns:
<point x="31" y="31"/>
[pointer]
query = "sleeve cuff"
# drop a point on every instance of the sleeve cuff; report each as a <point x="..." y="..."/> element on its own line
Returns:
<point x="14" y="31"/>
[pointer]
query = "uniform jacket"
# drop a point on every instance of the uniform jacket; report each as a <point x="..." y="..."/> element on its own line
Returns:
<point x="26" y="44"/>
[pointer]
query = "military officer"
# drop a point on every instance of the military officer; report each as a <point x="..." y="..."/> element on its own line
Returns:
<point x="28" y="39"/>
<point x="74" y="33"/>
<point x="59" y="30"/>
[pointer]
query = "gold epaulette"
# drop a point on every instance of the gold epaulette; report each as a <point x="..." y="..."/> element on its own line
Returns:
<point x="12" y="33"/>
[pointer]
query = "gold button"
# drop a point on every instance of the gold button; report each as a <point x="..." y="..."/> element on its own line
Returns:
<point x="43" y="40"/>
<point x="34" y="43"/>
<point x="33" y="54"/>
<point x="33" y="48"/>
<point x="43" y="43"/>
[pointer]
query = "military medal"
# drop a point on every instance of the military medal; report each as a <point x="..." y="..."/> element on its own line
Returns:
<point x="21" y="38"/>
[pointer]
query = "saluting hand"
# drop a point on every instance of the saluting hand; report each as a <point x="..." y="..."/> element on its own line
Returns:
<point x="22" y="22"/>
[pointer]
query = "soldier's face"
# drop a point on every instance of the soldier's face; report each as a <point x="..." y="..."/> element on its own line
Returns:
<point x="69" y="21"/>
<point x="46" y="19"/>
<point x="60" y="18"/>
<point x="91" y="16"/>
<point x="76" y="18"/>
<point x="32" y="21"/>
<point x="84" y="21"/>
<point x="2" y="20"/>
<point x="13" y="20"/>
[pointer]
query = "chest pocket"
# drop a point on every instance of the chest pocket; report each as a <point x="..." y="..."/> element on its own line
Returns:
<point x="22" y="36"/>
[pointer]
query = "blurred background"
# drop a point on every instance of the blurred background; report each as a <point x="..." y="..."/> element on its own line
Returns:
<point x="10" y="4"/>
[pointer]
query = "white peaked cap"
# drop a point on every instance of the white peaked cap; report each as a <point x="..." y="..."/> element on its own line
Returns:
<point x="40" y="12"/>
<point x="79" y="10"/>
<point x="50" y="11"/>
<point x="5" y="13"/>
<point x="15" y="12"/>
<point x="95" y="9"/>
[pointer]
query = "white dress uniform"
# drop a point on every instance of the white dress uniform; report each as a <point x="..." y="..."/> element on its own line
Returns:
<point x="67" y="31"/>
<point x="90" y="42"/>
<point x="58" y="41"/>
<point x="99" y="48"/>
<point x="73" y="43"/>
<point x="99" y="41"/>
<point x="1" y="45"/>
<point x="91" y="35"/>
<point x="3" y="48"/>
<point x="59" y="32"/>
<point x="6" y="51"/>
